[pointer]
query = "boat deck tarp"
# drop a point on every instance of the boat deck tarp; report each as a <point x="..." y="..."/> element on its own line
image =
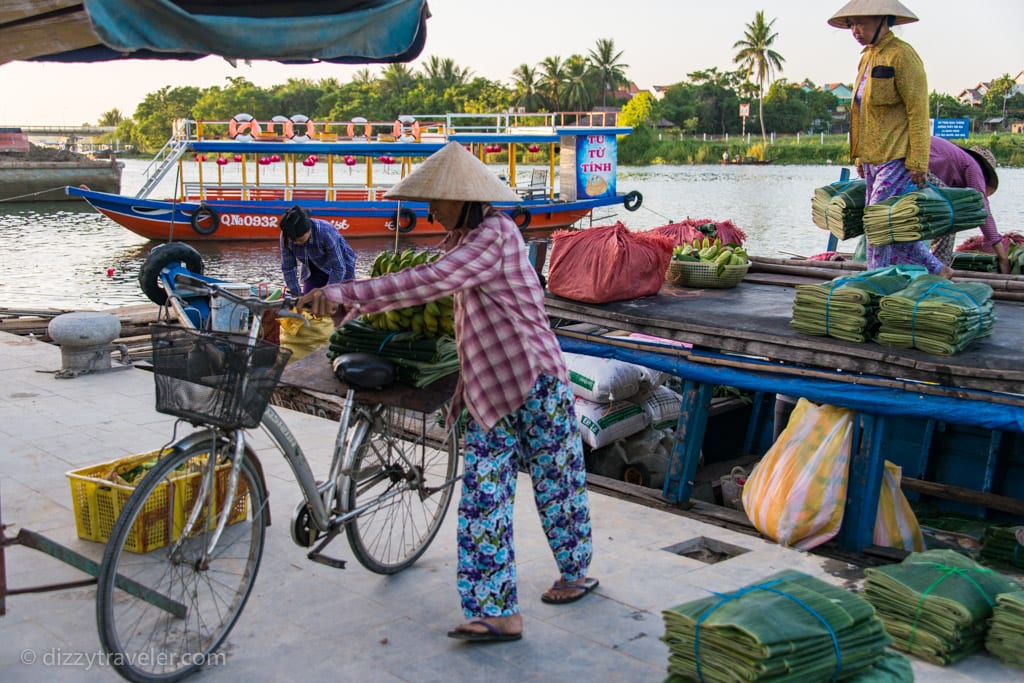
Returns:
<point x="343" y="31"/>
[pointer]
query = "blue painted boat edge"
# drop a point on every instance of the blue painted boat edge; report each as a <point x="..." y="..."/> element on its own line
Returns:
<point x="121" y="203"/>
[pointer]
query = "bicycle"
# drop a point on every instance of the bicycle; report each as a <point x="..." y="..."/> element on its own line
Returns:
<point x="184" y="552"/>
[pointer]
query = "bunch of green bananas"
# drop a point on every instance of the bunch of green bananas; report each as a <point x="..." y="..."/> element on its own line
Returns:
<point x="432" y="319"/>
<point x="708" y="251"/>
<point x="1015" y="255"/>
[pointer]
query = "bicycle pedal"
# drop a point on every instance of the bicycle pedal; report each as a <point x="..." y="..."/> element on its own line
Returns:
<point x="329" y="561"/>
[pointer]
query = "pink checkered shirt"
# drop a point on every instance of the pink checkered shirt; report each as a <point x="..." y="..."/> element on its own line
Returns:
<point x="501" y="327"/>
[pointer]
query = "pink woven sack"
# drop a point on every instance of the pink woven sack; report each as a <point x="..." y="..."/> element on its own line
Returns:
<point x="607" y="263"/>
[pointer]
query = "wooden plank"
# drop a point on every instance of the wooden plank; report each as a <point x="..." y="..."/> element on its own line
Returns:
<point x="992" y="501"/>
<point x="314" y="375"/>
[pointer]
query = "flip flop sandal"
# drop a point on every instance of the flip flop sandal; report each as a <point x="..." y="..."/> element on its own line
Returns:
<point x="583" y="588"/>
<point x="492" y="635"/>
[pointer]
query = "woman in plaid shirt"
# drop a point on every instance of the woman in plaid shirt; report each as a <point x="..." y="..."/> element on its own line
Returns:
<point x="513" y="382"/>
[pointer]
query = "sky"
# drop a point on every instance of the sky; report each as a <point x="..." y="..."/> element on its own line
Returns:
<point x="961" y="43"/>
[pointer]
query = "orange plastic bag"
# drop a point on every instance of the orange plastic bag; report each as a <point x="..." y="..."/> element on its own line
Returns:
<point x="796" y="494"/>
<point x="607" y="263"/>
<point x="896" y="524"/>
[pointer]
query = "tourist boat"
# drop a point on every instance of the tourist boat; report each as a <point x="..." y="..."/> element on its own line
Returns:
<point x="236" y="178"/>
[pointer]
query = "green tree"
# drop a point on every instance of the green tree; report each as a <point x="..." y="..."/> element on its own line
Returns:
<point x="552" y="81"/>
<point x="156" y="113"/>
<point x="111" y="118"/>
<point x="609" y="71"/>
<point x="444" y="73"/>
<point x="577" y="90"/>
<point x="756" y="58"/>
<point x="636" y="147"/>
<point x="527" y="94"/>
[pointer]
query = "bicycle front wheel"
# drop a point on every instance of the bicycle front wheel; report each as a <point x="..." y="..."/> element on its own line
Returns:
<point x="164" y="601"/>
<point x="403" y="473"/>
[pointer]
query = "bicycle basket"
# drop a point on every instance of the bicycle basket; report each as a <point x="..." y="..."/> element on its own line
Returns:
<point x="214" y="377"/>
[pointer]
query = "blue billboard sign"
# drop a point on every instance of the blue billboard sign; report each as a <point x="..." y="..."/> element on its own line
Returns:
<point x="951" y="128"/>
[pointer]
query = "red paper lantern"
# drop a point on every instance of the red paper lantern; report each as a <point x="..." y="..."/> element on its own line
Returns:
<point x="533" y="148"/>
<point x="221" y="161"/>
<point x="238" y="157"/>
<point x="275" y="158"/>
<point x="264" y="161"/>
<point x="350" y="161"/>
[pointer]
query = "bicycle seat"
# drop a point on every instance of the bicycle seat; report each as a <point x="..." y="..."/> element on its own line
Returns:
<point x="364" y="370"/>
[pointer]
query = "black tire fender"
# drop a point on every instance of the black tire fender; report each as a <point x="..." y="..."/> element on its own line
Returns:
<point x="636" y="473"/>
<point x="406" y="220"/>
<point x="161" y="256"/>
<point x="521" y="217"/>
<point x="205" y="211"/>
<point x="633" y="200"/>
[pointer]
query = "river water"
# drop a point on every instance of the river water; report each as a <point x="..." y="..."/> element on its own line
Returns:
<point x="66" y="255"/>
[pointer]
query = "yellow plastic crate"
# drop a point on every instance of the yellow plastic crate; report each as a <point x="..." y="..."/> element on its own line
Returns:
<point x="97" y="502"/>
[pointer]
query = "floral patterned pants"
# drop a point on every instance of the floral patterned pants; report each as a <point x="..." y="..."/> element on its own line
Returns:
<point x="885" y="181"/>
<point x="543" y="437"/>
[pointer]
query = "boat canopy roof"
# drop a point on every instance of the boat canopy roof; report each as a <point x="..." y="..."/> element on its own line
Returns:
<point x="368" y="31"/>
<point x="393" y="149"/>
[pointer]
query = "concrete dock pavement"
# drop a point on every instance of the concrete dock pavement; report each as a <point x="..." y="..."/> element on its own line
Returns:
<point x="306" y="621"/>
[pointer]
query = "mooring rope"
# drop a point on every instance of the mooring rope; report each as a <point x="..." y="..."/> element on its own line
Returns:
<point x="32" y="194"/>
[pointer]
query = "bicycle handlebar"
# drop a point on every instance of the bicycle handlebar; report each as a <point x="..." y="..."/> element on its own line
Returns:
<point x="255" y="304"/>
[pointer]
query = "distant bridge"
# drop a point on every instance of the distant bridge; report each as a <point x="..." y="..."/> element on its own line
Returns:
<point x="65" y="131"/>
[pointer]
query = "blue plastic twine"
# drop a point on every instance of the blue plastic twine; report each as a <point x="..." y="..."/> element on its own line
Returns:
<point x="952" y="212"/>
<point x="384" y="341"/>
<point x="728" y="597"/>
<point x="842" y="281"/>
<point x="927" y="292"/>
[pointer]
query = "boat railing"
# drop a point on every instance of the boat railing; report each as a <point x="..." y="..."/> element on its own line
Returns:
<point x="282" y="192"/>
<point x="167" y="157"/>
<point x="421" y="126"/>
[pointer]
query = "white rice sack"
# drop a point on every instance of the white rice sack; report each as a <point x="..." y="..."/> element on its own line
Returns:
<point x="603" y="423"/>
<point x="662" y="405"/>
<point x="602" y="380"/>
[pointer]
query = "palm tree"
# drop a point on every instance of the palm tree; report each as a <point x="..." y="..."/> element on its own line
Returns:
<point x="524" y="78"/>
<point x="553" y="81"/>
<point x="363" y="76"/>
<point x="444" y="72"/>
<point x="605" y="62"/>
<point x="577" y="89"/>
<point x="757" y="58"/>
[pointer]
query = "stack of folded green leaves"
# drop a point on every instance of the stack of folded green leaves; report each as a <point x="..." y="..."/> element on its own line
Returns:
<point x="418" y="360"/>
<point x="839" y="208"/>
<point x="936" y="604"/>
<point x="1001" y="545"/>
<point x="936" y="316"/>
<point x="923" y="215"/>
<point x="1006" y="630"/>
<point x="974" y="261"/>
<point x="791" y="626"/>
<point x="846" y="307"/>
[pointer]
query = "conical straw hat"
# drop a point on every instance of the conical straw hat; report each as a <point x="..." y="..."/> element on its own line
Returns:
<point x="452" y="173"/>
<point x="872" y="8"/>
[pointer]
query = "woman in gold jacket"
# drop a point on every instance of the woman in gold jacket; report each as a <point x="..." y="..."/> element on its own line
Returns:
<point x="889" y="125"/>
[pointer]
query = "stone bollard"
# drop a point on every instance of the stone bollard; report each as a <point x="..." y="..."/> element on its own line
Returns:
<point x="85" y="341"/>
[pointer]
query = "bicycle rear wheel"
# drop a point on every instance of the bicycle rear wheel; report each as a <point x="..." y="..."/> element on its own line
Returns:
<point x="162" y="608"/>
<point x="405" y="475"/>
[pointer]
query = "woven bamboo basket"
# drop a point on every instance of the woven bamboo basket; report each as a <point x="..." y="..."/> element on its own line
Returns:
<point x="704" y="274"/>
